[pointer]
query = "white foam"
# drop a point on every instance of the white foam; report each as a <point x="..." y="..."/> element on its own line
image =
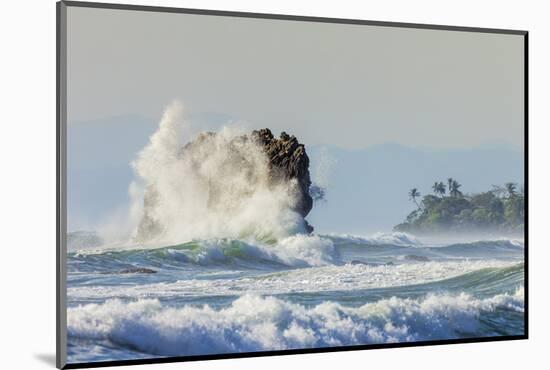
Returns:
<point x="297" y="250"/>
<point x="517" y="243"/>
<point x="320" y="279"/>
<point x="254" y="323"/>
<point x="309" y="250"/>
<point x="217" y="188"/>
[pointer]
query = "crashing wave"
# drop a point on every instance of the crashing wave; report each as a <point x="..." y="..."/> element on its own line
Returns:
<point x="222" y="185"/>
<point x="254" y="323"/>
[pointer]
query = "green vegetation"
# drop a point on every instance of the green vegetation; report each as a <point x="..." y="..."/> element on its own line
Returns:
<point x="448" y="209"/>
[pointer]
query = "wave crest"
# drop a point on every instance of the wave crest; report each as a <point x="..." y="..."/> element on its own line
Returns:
<point x="254" y="323"/>
<point x="295" y="251"/>
<point x="395" y="238"/>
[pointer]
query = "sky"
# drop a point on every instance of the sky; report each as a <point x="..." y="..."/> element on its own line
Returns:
<point x="391" y="108"/>
<point x="351" y="86"/>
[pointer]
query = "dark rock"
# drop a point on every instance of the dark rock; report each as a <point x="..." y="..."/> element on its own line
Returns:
<point x="373" y="264"/>
<point x="288" y="160"/>
<point x="413" y="257"/>
<point x="131" y="270"/>
<point x="137" y="270"/>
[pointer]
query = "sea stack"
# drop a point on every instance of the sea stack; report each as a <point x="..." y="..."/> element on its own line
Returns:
<point x="287" y="163"/>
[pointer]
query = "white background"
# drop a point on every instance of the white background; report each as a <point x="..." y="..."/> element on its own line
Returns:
<point x="27" y="182"/>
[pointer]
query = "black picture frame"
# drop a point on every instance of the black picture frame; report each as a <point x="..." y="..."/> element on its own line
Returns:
<point x="61" y="217"/>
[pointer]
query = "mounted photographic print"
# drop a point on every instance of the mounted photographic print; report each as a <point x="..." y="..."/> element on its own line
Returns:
<point x="236" y="184"/>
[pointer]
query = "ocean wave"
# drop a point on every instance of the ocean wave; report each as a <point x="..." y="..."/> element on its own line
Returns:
<point x="91" y="243"/>
<point x="517" y="242"/>
<point x="88" y="242"/>
<point x="398" y="239"/>
<point x="300" y="250"/>
<point x="481" y="248"/>
<point x="255" y="323"/>
<point x="308" y="280"/>
<point x="293" y="252"/>
<point x="401" y="239"/>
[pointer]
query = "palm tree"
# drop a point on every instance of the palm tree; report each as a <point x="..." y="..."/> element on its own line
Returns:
<point x="435" y="187"/>
<point x="413" y="194"/>
<point x="453" y="189"/>
<point x="499" y="191"/>
<point x="511" y="189"/>
<point x="439" y="188"/>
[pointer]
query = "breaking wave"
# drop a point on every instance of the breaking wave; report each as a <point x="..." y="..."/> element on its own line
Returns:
<point x="296" y="251"/>
<point x="255" y="323"/>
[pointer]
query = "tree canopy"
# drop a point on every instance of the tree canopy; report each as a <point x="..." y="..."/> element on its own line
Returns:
<point x="448" y="209"/>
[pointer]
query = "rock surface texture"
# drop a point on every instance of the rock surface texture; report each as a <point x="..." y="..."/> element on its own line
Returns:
<point x="288" y="160"/>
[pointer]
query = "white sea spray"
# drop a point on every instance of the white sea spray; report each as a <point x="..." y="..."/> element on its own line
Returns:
<point x="217" y="187"/>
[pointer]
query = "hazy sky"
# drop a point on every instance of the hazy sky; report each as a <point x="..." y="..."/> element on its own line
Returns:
<point x="347" y="85"/>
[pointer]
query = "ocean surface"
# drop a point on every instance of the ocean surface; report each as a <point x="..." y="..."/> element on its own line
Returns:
<point x="304" y="291"/>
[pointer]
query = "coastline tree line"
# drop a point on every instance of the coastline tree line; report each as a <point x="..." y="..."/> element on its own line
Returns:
<point x="447" y="208"/>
